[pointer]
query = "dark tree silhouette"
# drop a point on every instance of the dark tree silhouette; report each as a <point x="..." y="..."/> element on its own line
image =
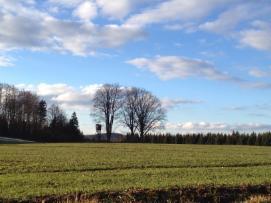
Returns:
<point x="42" y="112"/>
<point x="235" y="138"/>
<point x="24" y="115"/>
<point x="57" y="122"/>
<point x="74" y="127"/>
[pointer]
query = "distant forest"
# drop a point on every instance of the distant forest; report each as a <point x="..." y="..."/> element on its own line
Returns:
<point x="25" y="115"/>
<point x="235" y="138"/>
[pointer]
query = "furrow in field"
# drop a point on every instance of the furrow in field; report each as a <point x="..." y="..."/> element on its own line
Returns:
<point x="137" y="168"/>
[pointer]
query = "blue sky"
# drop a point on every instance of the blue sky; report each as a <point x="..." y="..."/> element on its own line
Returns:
<point x="208" y="61"/>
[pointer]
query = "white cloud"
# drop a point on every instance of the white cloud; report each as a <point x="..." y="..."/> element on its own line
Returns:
<point x="66" y="3"/>
<point x="51" y="90"/>
<point x="257" y="37"/>
<point x="25" y="27"/>
<point x="64" y="36"/>
<point x="171" y="67"/>
<point x="173" y="10"/>
<point x="66" y="96"/>
<point x="177" y="67"/>
<point x="205" y="127"/>
<point x="172" y="103"/>
<point x="115" y="9"/>
<point x="256" y="85"/>
<point x="86" y="11"/>
<point x="256" y="72"/>
<point x="257" y="108"/>
<point x="212" y="54"/>
<point x="228" y="20"/>
<point x="188" y="27"/>
<point x="6" y="61"/>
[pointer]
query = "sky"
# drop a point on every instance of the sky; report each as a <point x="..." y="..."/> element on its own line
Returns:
<point x="208" y="61"/>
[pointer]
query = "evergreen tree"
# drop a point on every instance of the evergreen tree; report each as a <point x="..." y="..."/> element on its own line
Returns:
<point x="74" y="121"/>
<point x="42" y="112"/>
<point x="74" y="127"/>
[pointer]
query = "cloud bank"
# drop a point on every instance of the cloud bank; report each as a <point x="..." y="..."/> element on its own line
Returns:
<point x="205" y="127"/>
<point x="82" y="27"/>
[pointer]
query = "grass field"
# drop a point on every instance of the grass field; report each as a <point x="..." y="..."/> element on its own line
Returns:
<point x="32" y="170"/>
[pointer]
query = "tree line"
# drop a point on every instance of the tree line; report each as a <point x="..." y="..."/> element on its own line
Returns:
<point x="25" y="115"/>
<point x="235" y="138"/>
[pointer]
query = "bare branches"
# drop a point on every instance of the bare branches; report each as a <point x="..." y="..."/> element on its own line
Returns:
<point x="142" y="111"/>
<point x="129" y="109"/>
<point x="107" y="103"/>
<point x="137" y="109"/>
<point x="149" y="112"/>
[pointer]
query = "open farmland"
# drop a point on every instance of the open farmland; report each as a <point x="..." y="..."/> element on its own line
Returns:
<point x="38" y="170"/>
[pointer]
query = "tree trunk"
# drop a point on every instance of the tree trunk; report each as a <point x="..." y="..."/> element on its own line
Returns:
<point x="108" y="137"/>
<point x="108" y="133"/>
<point x="142" y="135"/>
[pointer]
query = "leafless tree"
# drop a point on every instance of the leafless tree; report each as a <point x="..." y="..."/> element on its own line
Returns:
<point x="142" y="111"/>
<point x="149" y="112"/>
<point x="106" y="106"/>
<point x="56" y="116"/>
<point x="27" y="107"/>
<point x="129" y="109"/>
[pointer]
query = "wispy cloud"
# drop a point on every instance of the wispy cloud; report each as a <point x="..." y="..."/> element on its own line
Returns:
<point x="256" y="85"/>
<point x="172" y="67"/>
<point x="6" y="61"/>
<point x="256" y="110"/>
<point x="259" y="73"/>
<point x="239" y="13"/>
<point x="179" y="67"/>
<point x="258" y="36"/>
<point x="179" y="10"/>
<point x="172" y="103"/>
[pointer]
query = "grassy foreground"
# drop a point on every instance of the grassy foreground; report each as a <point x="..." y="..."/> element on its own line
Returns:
<point x="33" y="170"/>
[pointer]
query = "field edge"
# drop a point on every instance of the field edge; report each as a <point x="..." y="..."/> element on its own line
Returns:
<point x="201" y="193"/>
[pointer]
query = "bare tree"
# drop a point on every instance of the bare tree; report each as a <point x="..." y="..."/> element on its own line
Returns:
<point x="129" y="109"/>
<point x="149" y="112"/>
<point x="56" y="116"/>
<point x="106" y="106"/>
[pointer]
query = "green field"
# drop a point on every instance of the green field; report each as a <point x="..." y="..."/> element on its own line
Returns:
<point x="32" y="170"/>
